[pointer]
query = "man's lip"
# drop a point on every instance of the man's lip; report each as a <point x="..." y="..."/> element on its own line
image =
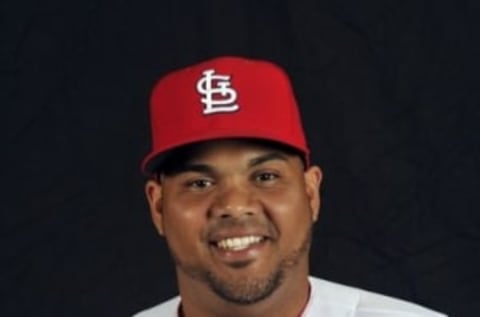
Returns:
<point x="220" y="235"/>
<point x="242" y="257"/>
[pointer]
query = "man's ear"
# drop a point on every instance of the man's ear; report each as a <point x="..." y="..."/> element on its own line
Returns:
<point x="153" y="191"/>
<point x="313" y="179"/>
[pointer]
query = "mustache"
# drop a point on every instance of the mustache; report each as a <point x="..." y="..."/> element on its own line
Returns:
<point x="247" y="224"/>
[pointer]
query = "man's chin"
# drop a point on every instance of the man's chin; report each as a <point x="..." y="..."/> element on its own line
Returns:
<point x="245" y="289"/>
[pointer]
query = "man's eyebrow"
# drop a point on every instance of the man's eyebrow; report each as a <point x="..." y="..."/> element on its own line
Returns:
<point x="208" y="169"/>
<point x="191" y="167"/>
<point x="268" y="157"/>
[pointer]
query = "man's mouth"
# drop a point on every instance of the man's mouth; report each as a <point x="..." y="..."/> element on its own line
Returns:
<point x="238" y="243"/>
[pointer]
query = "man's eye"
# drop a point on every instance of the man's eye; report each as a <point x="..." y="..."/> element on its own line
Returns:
<point x="266" y="177"/>
<point x="200" y="183"/>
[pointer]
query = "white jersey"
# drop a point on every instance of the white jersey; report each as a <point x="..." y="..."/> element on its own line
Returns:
<point x="328" y="299"/>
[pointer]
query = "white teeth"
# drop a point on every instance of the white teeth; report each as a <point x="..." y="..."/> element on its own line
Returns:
<point x="239" y="243"/>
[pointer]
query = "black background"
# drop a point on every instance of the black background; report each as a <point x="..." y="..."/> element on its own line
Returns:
<point x="388" y="91"/>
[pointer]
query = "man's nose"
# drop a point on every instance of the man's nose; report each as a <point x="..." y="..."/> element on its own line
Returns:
<point x="235" y="200"/>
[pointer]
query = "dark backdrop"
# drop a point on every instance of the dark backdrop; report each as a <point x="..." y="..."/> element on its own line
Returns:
<point x="389" y="93"/>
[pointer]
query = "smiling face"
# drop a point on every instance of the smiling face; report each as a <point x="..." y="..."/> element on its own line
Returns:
<point x="237" y="217"/>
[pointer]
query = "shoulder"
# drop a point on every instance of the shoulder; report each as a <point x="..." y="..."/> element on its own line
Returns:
<point x="165" y="309"/>
<point x="334" y="297"/>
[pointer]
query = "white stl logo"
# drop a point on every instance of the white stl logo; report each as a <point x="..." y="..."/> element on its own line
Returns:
<point x="217" y="94"/>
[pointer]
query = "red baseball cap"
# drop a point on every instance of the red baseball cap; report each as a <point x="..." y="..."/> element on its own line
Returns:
<point x="225" y="97"/>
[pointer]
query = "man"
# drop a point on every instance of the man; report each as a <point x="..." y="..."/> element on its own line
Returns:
<point x="234" y="194"/>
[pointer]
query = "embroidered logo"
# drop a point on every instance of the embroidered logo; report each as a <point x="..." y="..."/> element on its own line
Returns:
<point x="218" y="95"/>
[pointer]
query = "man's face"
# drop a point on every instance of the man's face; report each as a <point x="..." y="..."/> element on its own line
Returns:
<point x="237" y="216"/>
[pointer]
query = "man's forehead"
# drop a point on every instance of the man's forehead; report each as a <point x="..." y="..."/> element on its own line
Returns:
<point x="256" y="151"/>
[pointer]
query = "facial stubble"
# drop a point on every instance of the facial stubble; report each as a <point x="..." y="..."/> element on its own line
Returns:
<point x="246" y="290"/>
<point x="250" y="290"/>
